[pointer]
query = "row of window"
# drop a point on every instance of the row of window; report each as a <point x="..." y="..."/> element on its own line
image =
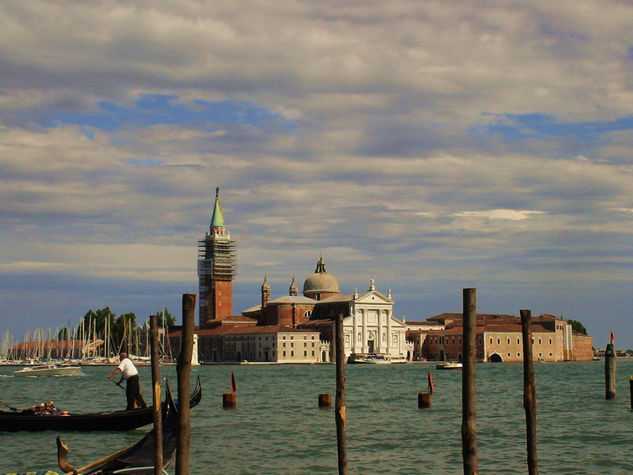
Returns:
<point x="265" y="338"/>
<point x="292" y="345"/>
<point x="444" y="340"/>
<point x="292" y="353"/>
<point x="540" y="341"/>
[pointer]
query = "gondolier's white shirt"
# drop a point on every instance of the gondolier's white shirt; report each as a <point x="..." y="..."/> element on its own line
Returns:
<point x="127" y="368"/>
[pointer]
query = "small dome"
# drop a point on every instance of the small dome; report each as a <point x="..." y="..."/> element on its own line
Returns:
<point x="320" y="281"/>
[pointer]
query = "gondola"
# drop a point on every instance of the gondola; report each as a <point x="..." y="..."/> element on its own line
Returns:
<point x="13" y="421"/>
<point x="136" y="459"/>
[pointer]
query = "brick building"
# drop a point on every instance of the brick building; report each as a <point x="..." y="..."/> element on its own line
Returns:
<point x="499" y="339"/>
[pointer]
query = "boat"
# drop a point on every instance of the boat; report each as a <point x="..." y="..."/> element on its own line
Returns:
<point x="449" y="365"/>
<point x="49" y="370"/>
<point x="15" y="420"/>
<point x="370" y="358"/>
<point x="135" y="459"/>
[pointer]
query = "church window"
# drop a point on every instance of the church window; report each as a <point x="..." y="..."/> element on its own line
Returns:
<point x="508" y="341"/>
<point x="305" y="353"/>
<point x="539" y="341"/>
<point x="498" y="341"/>
<point x="550" y="342"/>
<point x="284" y="353"/>
<point x="284" y="344"/>
<point x="292" y="353"/>
<point x="491" y="340"/>
<point x="312" y="352"/>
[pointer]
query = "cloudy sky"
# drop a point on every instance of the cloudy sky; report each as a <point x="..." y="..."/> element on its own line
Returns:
<point x="431" y="145"/>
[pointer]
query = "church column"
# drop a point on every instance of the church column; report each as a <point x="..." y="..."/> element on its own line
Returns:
<point x="364" y="332"/>
<point x="354" y="330"/>
<point x="388" y="332"/>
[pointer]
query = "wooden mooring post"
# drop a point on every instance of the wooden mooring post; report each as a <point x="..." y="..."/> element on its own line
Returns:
<point x="339" y="409"/>
<point x="469" y="386"/>
<point x="184" y="373"/>
<point x="609" y="371"/>
<point x="325" y="400"/>
<point x="156" y="408"/>
<point x="631" y="390"/>
<point x="529" y="391"/>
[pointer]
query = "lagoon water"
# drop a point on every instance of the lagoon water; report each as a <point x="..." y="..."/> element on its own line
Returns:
<point x="277" y="427"/>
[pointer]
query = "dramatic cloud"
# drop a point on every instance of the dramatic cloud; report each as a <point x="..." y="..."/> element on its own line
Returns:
<point x="432" y="146"/>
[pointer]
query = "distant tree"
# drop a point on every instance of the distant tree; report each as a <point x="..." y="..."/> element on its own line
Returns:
<point x="97" y="321"/>
<point x="577" y="326"/>
<point x="124" y="331"/>
<point x="63" y="334"/>
<point x="170" y="320"/>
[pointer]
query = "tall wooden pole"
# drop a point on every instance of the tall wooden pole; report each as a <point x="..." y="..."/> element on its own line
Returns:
<point x="469" y="387"/>
<point x="184" y="373"/>
<point x="529" y="391"/>
<point x="340" y="397"/>
<point x="158" y="421"/>
<point x="609" y="371"/>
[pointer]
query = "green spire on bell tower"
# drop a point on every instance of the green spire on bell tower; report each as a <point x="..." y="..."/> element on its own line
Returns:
<point x="217" y="220"/>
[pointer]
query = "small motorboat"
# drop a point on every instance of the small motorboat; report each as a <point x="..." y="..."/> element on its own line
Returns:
<point x="449" y="365"/>
<point x="371" y="358"/>
<point x="49" y="370"/>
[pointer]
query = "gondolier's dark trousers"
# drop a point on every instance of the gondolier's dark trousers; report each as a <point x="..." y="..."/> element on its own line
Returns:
<point x="133" y="393"/>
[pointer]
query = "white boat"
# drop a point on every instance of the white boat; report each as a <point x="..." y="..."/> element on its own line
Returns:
<point x="370" y="358"/>
<point x="449" y="365"/>
<point x="49" y="370"/>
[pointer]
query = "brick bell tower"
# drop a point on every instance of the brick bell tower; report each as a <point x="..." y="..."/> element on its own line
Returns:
<point x="217" y="264"/>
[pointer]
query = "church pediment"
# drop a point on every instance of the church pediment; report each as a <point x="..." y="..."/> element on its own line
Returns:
<point x="373" y="297"/>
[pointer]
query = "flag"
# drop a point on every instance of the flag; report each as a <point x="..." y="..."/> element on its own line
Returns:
<point x="233" y="385"/>
<point x="431" y="387"/>
<point x="612" y="337"/>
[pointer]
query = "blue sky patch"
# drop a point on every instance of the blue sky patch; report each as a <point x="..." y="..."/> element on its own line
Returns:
<point x="515" y="127"/>
<point x="162" y="109"/>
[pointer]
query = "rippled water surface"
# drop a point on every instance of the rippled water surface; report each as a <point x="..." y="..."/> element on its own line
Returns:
<point x="278" y="428"/>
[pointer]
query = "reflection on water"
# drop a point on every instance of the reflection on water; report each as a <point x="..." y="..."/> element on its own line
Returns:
<point x="277" y="426"/>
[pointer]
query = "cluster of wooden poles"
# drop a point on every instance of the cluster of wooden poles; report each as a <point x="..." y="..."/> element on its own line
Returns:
<point x="469" y="407"/>
<point x="183" y="369"/>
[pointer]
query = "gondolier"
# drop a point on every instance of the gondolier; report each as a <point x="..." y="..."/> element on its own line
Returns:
<point x="133" y="386"/>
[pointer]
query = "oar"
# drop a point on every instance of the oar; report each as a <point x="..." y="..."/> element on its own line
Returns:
<point x="118" y="383"/>
<point x="62" y="454"/>
<point x="2" y="404"/>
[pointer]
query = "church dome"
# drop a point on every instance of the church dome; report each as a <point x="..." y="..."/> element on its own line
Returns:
<point x="321" y="281"/>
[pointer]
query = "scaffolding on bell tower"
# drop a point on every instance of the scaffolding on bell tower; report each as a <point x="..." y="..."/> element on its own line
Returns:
<point x="217" y="267"/>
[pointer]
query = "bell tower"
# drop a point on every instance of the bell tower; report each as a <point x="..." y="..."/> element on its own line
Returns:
<point x="217" y="264"/>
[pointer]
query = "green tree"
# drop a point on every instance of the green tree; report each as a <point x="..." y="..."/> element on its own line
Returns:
<point x="170" y="320"/>
<point x="577" y="326"/>
<point x="97" y="321"/>
<point x="124" y="332"/>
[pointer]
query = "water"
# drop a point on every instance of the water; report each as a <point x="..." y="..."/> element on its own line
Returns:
<point x="277" y="427"/>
